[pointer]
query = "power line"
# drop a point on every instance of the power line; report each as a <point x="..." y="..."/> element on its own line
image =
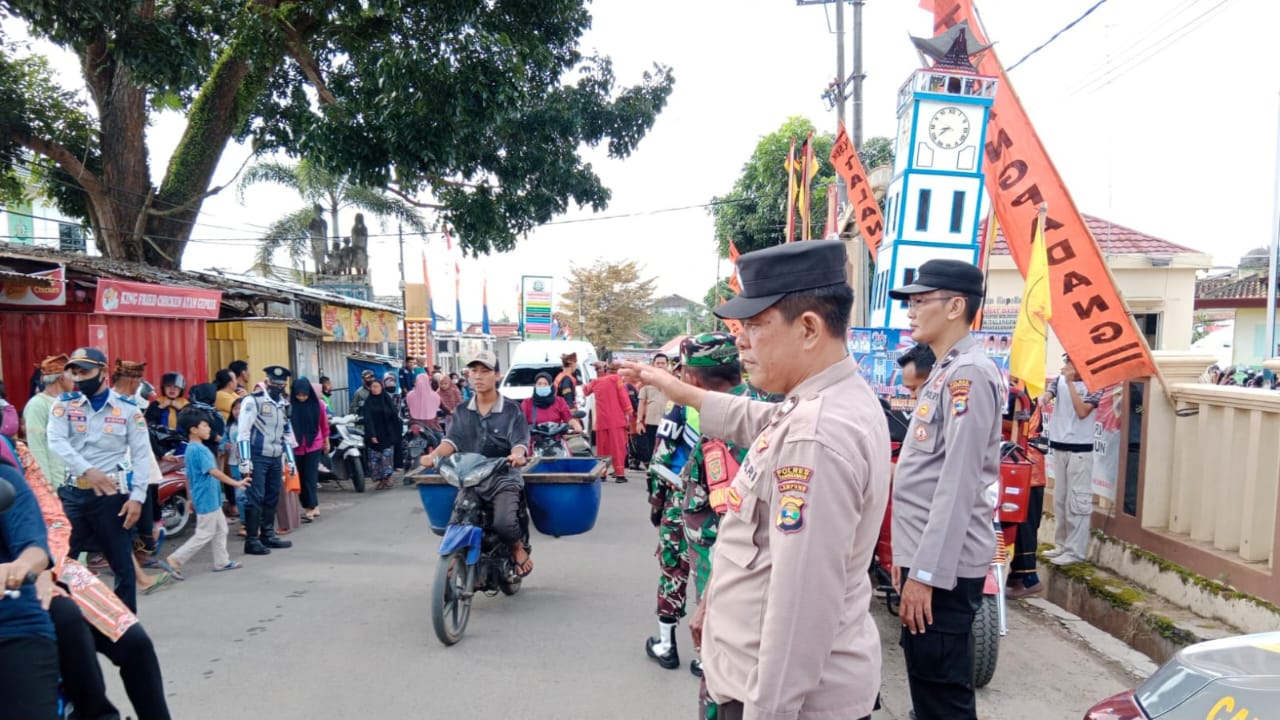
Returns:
<point x="1154" y="29"/>
<point x="1056" y="35"/>
<point x="1152" y="50"/>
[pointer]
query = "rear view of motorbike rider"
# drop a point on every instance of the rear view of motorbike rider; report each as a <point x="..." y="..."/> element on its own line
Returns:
<point x="265" y="443"/>
<point x="494" y="427"/>
<point x="163" y="411"/>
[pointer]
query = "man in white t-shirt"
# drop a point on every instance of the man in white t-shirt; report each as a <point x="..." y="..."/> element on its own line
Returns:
<point x="1071" y="432"/>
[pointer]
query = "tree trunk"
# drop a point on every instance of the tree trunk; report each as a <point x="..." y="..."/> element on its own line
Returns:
<point x="221" y="108"/>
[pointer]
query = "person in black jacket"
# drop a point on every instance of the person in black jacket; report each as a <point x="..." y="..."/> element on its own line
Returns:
<point x="382" y="430"/>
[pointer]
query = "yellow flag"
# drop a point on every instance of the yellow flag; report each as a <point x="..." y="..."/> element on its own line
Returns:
<point x="1027" y="357"/>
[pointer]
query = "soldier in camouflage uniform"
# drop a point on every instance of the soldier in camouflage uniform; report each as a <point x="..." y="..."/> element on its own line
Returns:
<point x="668" y="474"/>
<point x="710" y="362"/>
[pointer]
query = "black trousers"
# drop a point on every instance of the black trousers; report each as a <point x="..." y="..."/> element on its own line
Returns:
<point x="506" y="514"/>
<point x="940" y="660"/>
<point x="650" y="443"/>
<point x="29" y="672"/>
<point x="96" y="524"/>
<point x="78" y="646"/>
<point x="309" y="475"/>
<point x="1027" y="538"/>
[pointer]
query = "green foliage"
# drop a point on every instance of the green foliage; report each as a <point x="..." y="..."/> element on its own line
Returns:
<point x="662" y="328"/>
<point x="332" y="193"/>
<point x="718" y="293"/>
<point x="479" y="106"/>
<point x="754" y="212"/>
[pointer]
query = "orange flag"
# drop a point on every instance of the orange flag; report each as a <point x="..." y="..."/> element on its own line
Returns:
<point x="808" y="171"/>
<point x="1091" y="319"/>
<point x="733" y="260"/>
<point x="866" y="210"/>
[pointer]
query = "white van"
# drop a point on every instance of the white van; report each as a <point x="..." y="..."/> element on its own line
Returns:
<point x="532" y="357"/>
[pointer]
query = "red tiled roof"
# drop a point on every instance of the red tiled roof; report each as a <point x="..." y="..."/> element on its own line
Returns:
<point x="495" y="329"/>
<point x="1113" y="239"/>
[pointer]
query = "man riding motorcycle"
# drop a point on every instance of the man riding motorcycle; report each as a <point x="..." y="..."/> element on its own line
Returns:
<point x="494" y="427"/>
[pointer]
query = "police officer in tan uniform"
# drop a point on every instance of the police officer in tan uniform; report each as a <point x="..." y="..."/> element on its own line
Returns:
<point x="786" y="620"/>
<point x="943" y="537"/>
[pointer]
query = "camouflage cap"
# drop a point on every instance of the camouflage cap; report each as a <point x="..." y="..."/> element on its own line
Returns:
<point x="709" y="350"/>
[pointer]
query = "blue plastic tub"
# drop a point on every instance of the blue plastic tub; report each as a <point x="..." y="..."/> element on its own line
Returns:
<point x="437" y="499"/>
<point x="564" y="494"/>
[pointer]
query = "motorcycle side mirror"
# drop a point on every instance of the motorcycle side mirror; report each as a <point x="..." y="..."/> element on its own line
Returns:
<point x="578" y="414"/>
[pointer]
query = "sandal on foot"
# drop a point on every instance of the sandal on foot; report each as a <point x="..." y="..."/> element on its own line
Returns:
<point x="233" y="565"/>
<point x="161" y="579"/>
<point x="175" y="571"/>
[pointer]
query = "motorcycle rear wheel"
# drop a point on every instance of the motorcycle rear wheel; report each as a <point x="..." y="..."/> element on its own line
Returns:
<point x="450" y="611"/>
<point x="355" y="473"/>
<point x="986" y="641"/>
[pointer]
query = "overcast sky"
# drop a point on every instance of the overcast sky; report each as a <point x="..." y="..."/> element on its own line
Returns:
<point x="1159" y="116"/>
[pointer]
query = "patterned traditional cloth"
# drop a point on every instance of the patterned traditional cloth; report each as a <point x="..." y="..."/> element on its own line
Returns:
<point x="99" y="605"/>
<point x="381" y="464"/>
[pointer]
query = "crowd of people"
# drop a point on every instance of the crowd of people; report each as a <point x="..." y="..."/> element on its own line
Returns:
<point x="85" y="458"/>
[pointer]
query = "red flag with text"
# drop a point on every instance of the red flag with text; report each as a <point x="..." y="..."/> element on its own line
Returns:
<point x="866" y="209"/>
<point x="1091" y="320"/>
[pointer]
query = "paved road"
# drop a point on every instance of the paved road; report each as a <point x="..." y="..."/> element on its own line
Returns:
<point x="338" y="627"/>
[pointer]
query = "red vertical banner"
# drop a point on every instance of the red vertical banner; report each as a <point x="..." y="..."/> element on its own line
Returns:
<point x="1092" y="321"/>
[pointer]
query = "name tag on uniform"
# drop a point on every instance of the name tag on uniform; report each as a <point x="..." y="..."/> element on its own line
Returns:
<point x="76" y="416"/>
<point x="114" y="420"/>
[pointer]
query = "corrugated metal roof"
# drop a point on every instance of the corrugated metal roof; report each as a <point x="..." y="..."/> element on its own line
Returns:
<point x="18" y="279"/>
<point x="292" y="288"/>
<point x="1112" y="239"/>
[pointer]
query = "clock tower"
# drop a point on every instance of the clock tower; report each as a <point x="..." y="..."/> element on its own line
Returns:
<point x="933" y="205"/>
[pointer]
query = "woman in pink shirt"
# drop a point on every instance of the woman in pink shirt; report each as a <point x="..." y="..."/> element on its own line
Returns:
<point x="310" y="426"/>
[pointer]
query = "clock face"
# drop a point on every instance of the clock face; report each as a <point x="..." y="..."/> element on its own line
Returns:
<point x="949" y="128"/>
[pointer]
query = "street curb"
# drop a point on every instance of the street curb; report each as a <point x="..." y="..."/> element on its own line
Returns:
<point x="1134" y="663"/>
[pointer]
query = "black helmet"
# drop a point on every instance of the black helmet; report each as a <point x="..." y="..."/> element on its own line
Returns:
<point x="173" y="378"/>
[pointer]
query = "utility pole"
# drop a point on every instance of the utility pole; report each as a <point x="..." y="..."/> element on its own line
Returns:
<point x="840" y="67"/>
<point x="857" y="73"/>
<point x="404" y="302"/>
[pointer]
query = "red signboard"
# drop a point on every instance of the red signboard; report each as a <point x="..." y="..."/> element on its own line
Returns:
<point x="118" y="297"/>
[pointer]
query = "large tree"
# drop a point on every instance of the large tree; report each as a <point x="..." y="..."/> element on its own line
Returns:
<point x="611" y="299"/>
<point x="479" y="106"/>
<point x="754" y="213"/>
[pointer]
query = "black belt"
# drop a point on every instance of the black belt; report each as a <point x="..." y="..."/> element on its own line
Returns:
<point x="1071" y="447"/>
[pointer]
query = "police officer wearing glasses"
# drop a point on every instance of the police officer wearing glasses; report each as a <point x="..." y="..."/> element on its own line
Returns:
<point x="943" y="539"/>
<point x="96" y="432"/>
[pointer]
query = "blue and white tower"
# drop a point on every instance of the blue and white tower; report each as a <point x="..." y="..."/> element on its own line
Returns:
<point x="934" y="202"/>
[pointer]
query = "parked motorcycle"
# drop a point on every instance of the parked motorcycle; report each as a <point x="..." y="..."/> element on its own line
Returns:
<point x="472" y="557"/>
<point x="345" y="459"/>
<point x="419" y="439"/>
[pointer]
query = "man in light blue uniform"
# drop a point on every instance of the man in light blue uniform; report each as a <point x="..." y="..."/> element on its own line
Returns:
<point x="266" y="442"/>
<point x="96" y="432"/>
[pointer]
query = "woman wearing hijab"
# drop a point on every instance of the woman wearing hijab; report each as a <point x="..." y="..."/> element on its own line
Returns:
<point x="381" y="434"/>
<point x="311" y="429"/>
<point x="424" y="403"/>
<point x="391" y="390"/>
<point x="547" y="407"/>
<point x="450" y="398"/>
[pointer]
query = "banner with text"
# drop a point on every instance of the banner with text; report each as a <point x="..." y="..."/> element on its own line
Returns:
<point x="1089" y="315"/>
<point x="21" y="292"/>
<point x="346" y="324"/>
<point x="844" y="156"/>
<point x="535" y="295"/>
<point x="119" y="297"/>
<point x="876" y="352"/>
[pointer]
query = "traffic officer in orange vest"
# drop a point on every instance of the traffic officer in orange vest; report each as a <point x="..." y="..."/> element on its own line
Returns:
<point x="787" y="626"/>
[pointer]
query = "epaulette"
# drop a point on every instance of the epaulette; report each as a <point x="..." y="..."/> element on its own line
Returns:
<point x="69" y="396"/>
<point x="131" y="399"/>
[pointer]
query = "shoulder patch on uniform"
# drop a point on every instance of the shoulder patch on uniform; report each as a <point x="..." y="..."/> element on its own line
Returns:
<point x="922" y="433"/>
<point x="959" y="390"/>
<point x="793" y="478"/>
<point x="790" y="514"/>
<point x="922" y="411"/>
<point x="59" y="411"/>
<point x="733" y="499"/>
<point x="762" y="443"/>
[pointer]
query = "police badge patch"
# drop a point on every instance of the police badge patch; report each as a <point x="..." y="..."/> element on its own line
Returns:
<point x="791" y="514"/>
<point x="959" y="391"/>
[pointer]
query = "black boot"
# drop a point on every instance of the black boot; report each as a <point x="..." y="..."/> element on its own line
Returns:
<point x="252" y="545"/>
<point x="269" y="537"/>
<point x="671" y="658"/>
<point x="695" y="667"/>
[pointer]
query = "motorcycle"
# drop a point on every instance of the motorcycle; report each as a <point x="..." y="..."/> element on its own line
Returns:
<point x="345" y="459"/>
<point x="548" y="438"/>
<point x="472" y="557"/>
<point x="176" y="511"/>
<point x="419" y="439"/>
